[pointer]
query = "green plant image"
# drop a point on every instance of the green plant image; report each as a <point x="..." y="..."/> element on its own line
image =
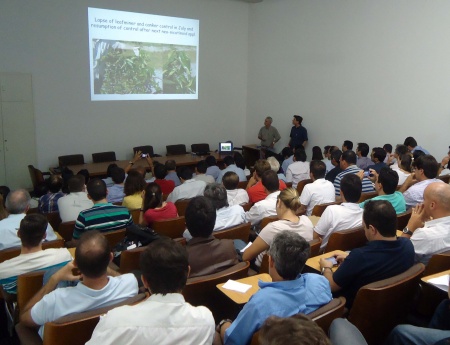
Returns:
<point x="177" y="75"/>
<point x="129" y="72"/>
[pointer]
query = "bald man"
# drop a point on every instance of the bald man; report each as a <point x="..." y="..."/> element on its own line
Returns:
<point x="429" y="225"/>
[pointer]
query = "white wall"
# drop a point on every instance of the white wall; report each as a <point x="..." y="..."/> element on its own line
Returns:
<point x="373" y="71"/>
<point x="49" y="39"/>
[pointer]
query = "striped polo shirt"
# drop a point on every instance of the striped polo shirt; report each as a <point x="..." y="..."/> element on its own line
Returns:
<point x="102" y="217"/>
<point x="367" y="185"/>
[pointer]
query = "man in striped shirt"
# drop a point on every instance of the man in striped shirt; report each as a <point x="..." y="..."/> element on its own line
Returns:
<point x="103" y="216"/>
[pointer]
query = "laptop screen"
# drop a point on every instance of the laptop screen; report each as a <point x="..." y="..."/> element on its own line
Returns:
<point x="225" y="148"/>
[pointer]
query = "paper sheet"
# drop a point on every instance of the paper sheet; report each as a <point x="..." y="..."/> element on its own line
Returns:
<point x="236" y="286"/>
<point x="440" y="282"/>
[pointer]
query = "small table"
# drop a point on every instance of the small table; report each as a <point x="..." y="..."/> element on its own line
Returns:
<point x="427" y="278"/>
<point x="314" y="262"/>
<point x="72" y="251"/>
<point x="314" y="220"/>
<point x="242" y="298"/>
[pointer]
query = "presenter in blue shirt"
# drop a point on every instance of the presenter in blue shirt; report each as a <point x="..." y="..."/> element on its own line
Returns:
<point x="299" y="134"/>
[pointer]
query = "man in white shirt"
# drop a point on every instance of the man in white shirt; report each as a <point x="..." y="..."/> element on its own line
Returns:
<point x="76" y="201"/>
<point x="320" y="191"/>
<point x="96" y="290"/>
<point x="347" y="215"/>
<point x="425" y="172"/>
<point x="32" y="257"/>
<point x="188" y="187"/>
<point x="17" y="204"/>
<point x="429" y="225"/>
<point x="266" y="207"/>
<point x="299" y="170"/>
<point x="164" y="318"/>
<point x="235" y="195"/>
<point x="200" y="173"/>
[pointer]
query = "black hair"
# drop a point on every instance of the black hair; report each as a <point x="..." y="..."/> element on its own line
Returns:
<point x="170" y="165"/>
<point x="32" y="229"/>
<point x="228" y="160"/>
<point x="270" y="181"/>
<point x="410" y="141"/>
<point x="160" y="171"/>
<point x="363" y="148"/>
<point x="117" y="175"/>
<point x="388" y="179"/>
<point x="230" y="180"/>
<point x="387" y="148"/>
<point x="300" y="156"/>
<point x="351" y="187"/>
<point x="429" y="165"/>
<point x="185" y="173"/>
<point x="211" y="161"/>
<point x="202" y="166"/>
<point x="317" y="153"/>
<point x="381" y="215"/>
<point x="349" y="156"/>
<point x="92" y="254"/>
<point x="200" y="217"/>
<point x="96" y="189"/>
<point x="153" y="196"/>
<point x="348" y="144"/>
<point x="317" y="169"/>
<point x="134" y="183"/>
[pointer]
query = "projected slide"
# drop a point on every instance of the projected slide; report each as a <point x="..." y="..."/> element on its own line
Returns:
<point x="135" y="56"/>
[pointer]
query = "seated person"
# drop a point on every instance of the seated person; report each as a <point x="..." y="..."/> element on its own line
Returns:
<point x="115" y="192"/>
<point x="335" y="157"/>
<point x="133" y="188"/>
<point x="76" y="201"/>
<point x="230" y="165"/>
<point x="287" y="205"/>
<point x="200" y="173"/>
<point x="188" y="187"/>
<point x="275" y="166"/>
<point x="411" y="143"/>
<point x="386" y="185"/>
<point x="266" y="207"/>
<point x="299" y="170"/>
<point x="17" y="205"/>
<point x="154" y="207"/>
<point x="32" y="258"/>
<point x="345" y="216"/>
<point x="255" y="189"/>
<point x="235" y="195"/>
<point x="363" y="162"/>
<point x="207" y="254"/>
<point x="171" y="167"/>
<point x="445" y="166"/>
<point x="212" y="170"/>
<point x="163" y="318"/>
<point x="393" y="159"/>
<point x="108" y="180"/>
<point x="160" y="172"/>
<point x="404" y="168"/>
<point x="289" y="293"/>
<point x="49" y="202"/>
<point x="95" y="290"/>
<point x="320" y="191"/>
<point x="378" y="156"/>
<point x="288" y="155"/>
<point x="384" y="256"/>
<point x="103" y="216"/>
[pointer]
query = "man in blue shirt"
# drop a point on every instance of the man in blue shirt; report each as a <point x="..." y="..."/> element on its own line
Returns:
<point x="299" y="134"/>
<point x="411" y="143"/>
<point x="288" y="294"/>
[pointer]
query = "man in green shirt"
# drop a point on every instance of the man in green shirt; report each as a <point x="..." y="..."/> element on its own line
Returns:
<point x="268" y="135"/>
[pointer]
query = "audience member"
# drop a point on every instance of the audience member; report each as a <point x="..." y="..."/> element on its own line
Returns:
<point x="163" y="318"/>
<point x="384" y="256"/>
<point x="4" y="191"/>
<point x="429" y="225"/>
<point x="288" y="294"/>
<point x="388" y="149"/>
<point x="228" y="161"/>
<point x="17" y="205"/>
<point x="133" y="188"/>
<point x="393" y="160"/>
<point x="327" y="158"/>
<point x="200" y="173"/>
<point x="275" y="166"/>
<point x="3" y="212"/>
<point x="335" y="161"/>
<point x="445" y="166"/>
<point x="411" y="143"/>
<point x="85" y="174"/>
<point x="49" y="202"/>
<point x="378" y="155"/>
<point x="363" y="162"/>
<point x="115" y="192"/>
<point x="255" y="189"/>
<point x="207" y="254"/>
<point x="154" y="207"/>
<point x="167" y="186"/>
<point x="171" y="167"/>
<point x="316" y="153"/>
<point x="320" y="191"/>
<point x="240" y="162"/>
<point x="188" y="188"/>
<point x="288" y="155"/>
<point x="235" y="195"/>
<point x="76" y="201"/>
<point x="345" y="216"/>
<point x="286" y="207"/>
<point x="213" y="170"/>
<point x="32" y="258"/>
<point x="299" y="170"/>
<point x="404" y="168"/>
<point x="108" y="180"/>
<point x="95" y="290"/>
<point x="347" y="146"/>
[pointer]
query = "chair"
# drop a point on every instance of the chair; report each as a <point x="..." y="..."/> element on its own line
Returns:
<point x="10" y="253"/>
<point x="181" y="206"/>
<point x="37" y="176"/>
<point x="101" y="157"/>
<point x="179" y="149"/>
<point x="367" y="196"/>
<point x="172" y="228"/>
<point x="242" y="184"/>
<point x="403" y="219"/>
<point x="66" y="230"/>
<point x="267" y="220"/>
<point x="238" y="232"/>
<point x="148" y="149"/>
<point x="380" y="306"/>
<point x="70" y="160"/>
<point x="203" y="290"/>
<point x="135" y="215"/>
<point x="302" y="185"/>
<point x="346" y="240"/>
<point x="438" y="263"/>
<point x="318" y="209"/>
<point x="445" y="178"/>
<point x="129" y="259"/>
<point x="200" y="148"/>
<point x="114" y="237"/>
<point x="54" y="219"/>
<point x="247" y="206"/>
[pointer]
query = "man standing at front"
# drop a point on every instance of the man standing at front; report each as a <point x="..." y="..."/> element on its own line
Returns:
<point x="288" y="294"/>
<point x="268" y="135"/>
<point x="299" y="134"/>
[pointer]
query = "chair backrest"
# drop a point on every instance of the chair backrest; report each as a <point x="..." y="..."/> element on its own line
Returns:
<point x="438" y="263"/>
<point x="10" y="253"/>
<point x="77" y="328"/>
<point x="267" y="220"/>
<point x="135" y="215"/>
<point x="325" y="315"/>
<point x="403" y="219"/>
<point x="200" y="147"/>
<point x="181" y="206"/>
<point x="66" y="230"/>
<point x="346" y="240"/>
<point x="114" y="237"/>
<point x="445" y="178"/>
<point x="148" y="149"/>
<point x="238" y="232"/>
<point x="172" y="228"/>
<point x="318" y="209"/>
<point x="380" y="306"/>
<point x="54" y="219"/>
<point x="28" y="285"/>
<point x="203" y="290"/>
<point x="179" y="149"/>
<point x="242" y="184"/>
<point x="70" y="160"/>
<point x="99" y="157"/>
<point x="302" y="185"/>
<point x="129" y="259"/>
<point x="366" y="196"/>
<point x="36" y="176"/>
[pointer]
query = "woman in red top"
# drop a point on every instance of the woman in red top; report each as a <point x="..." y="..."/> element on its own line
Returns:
<point x="154" y="207"/>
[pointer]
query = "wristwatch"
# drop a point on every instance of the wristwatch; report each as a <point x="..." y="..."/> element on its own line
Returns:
<point x="407" y="231"/>
<point x="324" y="268"/>
<point x="219" y="326"/>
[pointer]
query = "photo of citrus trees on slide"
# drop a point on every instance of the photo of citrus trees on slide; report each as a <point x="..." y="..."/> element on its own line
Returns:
<point x="122" y="67"/>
